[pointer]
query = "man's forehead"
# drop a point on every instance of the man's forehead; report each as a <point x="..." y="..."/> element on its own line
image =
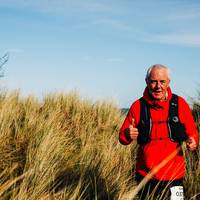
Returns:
<point x="158" y="72"/>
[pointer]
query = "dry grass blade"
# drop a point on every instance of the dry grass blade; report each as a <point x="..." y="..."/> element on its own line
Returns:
<point x="133" y="194"/>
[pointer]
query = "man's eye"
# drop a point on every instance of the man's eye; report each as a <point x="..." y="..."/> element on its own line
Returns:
<point x="163" y="82"/>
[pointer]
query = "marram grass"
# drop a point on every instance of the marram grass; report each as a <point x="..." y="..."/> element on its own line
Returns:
<point x="67" y="148"/>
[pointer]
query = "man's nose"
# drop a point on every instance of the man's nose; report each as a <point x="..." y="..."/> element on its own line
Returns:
<point x="158" y="84"/>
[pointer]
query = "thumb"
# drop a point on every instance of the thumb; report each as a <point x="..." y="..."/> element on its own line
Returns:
<point x="133" y="122"/>
<point x="191" y="140"/>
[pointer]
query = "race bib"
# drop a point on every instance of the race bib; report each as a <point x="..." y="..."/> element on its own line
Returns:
<point x="177" y="193"/>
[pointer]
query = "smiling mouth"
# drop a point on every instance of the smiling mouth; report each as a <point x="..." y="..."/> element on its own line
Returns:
<point x="157" y="92"/>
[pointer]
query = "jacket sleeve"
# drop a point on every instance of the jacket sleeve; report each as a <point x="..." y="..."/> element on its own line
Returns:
<point x="132" y="113"/>
<point x="187" y="119"/>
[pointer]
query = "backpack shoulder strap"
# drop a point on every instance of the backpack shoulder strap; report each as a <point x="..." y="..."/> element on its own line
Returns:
<point x="176" y="128"/>
<point x="173" y="108"/>
<point x="145" y="124"/>
<point x="144" y="110"/>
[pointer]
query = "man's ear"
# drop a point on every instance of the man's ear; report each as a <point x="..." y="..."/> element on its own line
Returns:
<point x="169" y="82"/>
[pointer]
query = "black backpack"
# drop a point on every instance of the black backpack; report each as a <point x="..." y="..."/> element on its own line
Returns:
<point x="175" y="127"/>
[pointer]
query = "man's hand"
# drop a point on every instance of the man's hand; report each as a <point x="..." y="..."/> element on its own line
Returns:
<point x="133" y="131"/>
<point x="191" y="144"/>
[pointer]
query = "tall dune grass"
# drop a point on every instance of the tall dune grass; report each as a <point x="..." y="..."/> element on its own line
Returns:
<point x="67" y="148"/>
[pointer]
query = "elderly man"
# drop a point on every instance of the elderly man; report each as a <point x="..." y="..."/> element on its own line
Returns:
<point x="160" y="121"/>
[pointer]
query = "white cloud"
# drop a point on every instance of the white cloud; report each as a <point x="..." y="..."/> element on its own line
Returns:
<point x="189" y="39"/>
<point x="15" y="50"/>
<point x="187" y="11"/>
<point x="114" y="60"/>
<point x="86" y="58"/>
<point x="116" y="24"/>
<point x="177" y="24"/>
<point x="64" y="6"/>
<point x="172" y="22"/>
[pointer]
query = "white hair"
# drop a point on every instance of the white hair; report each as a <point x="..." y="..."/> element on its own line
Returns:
<point x="157" y="66"/>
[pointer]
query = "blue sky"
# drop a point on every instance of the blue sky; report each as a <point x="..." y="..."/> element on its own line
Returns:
<point x="100" y="48"/>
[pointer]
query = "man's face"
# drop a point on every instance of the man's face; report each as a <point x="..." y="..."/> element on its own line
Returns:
<point x="158" y="83"/>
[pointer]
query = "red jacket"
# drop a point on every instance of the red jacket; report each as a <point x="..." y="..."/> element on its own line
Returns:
<point x="151" y="154"/>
